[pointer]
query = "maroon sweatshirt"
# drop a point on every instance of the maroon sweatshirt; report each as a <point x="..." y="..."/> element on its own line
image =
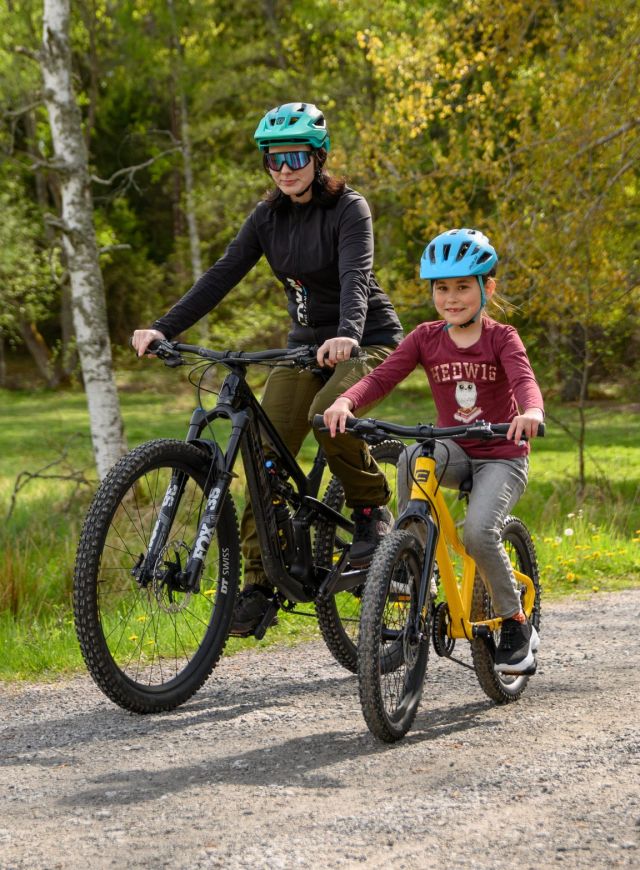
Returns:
<point x="491" y="380"/>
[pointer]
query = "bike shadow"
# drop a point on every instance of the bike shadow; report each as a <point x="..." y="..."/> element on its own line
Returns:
<point x="307" y="761"/>
<point x="103" y="719"/>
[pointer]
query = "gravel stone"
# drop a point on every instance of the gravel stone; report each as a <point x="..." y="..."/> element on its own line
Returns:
<point x="271" y="766"/>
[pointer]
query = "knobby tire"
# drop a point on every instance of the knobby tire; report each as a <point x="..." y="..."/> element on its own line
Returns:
<point x="392" y="663"/>
<point x="339" y="615"/>
<point x="504" y="688"/>
<point x="151" y="647"/>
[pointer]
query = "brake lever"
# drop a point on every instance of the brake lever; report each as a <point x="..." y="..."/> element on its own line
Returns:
<point x="168" y="354"/>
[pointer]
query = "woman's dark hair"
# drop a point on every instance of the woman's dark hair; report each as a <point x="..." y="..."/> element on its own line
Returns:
<point x="326" y="189"/>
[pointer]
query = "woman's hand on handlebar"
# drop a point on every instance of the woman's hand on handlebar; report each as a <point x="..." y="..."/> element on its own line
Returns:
<point x="336" y="416"/>
<point x="335" y="350"/>
<point x="525" y="424"/>
<point x="142" y="338"/>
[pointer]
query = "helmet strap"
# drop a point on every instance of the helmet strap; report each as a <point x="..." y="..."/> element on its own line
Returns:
<point x="302" y="192"/>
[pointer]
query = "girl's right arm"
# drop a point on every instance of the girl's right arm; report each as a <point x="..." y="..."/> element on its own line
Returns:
<point x="374" y="386"/>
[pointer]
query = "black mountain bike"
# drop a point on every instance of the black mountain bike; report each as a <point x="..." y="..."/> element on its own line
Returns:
<point x="158" y="562"/>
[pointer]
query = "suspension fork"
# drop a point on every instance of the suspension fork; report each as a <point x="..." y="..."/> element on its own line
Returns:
<point x="189" y="578"/>
<point x="143" y="571"/>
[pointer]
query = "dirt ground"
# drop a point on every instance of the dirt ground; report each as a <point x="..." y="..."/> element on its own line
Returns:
<point x="271" y="765"/>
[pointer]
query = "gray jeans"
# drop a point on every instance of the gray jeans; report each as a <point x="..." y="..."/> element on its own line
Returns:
<point x="497" y="486"/>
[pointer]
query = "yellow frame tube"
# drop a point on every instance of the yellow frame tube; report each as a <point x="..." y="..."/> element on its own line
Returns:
<point x="458" y="596"/>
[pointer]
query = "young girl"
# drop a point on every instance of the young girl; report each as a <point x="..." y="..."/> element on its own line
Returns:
<point x="477" y="369"/>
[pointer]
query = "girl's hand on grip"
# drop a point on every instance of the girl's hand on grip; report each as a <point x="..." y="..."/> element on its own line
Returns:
<point x="336" y="416"/>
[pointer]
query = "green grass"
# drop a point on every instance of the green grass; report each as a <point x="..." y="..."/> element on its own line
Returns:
<point x="586" y="542"/>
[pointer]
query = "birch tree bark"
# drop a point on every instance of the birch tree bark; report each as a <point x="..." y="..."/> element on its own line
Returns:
<point x="79" y="241"/>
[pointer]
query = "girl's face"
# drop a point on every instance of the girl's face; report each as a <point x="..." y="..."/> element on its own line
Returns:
<point x="293" y="182"/>
<point x="457" y="300"/>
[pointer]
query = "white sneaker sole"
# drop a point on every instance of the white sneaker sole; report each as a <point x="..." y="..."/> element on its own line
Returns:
<point x="528" y="664"/>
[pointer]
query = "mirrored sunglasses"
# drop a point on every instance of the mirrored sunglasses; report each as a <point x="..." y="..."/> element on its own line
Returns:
<point x="293" y="159"/>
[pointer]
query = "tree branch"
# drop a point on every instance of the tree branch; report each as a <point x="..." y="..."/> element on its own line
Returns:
<point x="591" y="146"/>
<point x="130" y="171"/>
<point x="108" y="248"/>
<point x="67" y="473"/>
<point x="24" y="110"/>
<point x="28" y="52"/>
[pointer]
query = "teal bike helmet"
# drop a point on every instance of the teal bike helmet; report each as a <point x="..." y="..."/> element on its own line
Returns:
<point x="457" y="254"/>
<point x="293" y="124"/>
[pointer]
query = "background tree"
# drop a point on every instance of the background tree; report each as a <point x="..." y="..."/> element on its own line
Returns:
<point x="78" y="238"/>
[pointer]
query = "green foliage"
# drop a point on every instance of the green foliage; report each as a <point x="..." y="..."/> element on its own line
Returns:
<point x="38" y="540"/>
<point x="521" y="119"/>
<point x="27" y="286"/>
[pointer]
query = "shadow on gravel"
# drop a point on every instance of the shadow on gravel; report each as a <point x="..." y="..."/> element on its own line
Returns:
<point x="431" y="725"/>
<point x="274" y="766"/>
<point x="214" y="704"/>
<point x="299" y="762"/>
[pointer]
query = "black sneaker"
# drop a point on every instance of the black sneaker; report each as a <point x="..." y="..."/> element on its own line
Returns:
<point x="250" y="610"/>
<point x="519" y="642"/>
<point x="372" y="523"/>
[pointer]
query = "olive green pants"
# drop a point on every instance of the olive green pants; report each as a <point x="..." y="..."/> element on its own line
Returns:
<point x="291" y="398"/>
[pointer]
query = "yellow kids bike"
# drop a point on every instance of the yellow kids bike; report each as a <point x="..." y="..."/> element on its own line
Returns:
<point x="414" y="592"/>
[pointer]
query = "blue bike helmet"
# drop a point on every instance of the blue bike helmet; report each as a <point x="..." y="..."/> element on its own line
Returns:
<point x="456" y="254"/>
<point x="293" y="124"/>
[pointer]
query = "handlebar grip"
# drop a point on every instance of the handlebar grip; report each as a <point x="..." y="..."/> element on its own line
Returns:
<point x="318" y="422"/>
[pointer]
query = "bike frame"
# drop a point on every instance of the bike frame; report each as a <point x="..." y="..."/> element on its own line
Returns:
<point x="299" y="581"/>
<point x="428" y="506"/>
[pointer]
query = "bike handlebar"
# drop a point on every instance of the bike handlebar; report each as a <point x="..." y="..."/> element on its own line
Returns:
<point x="170" y="352"/>
<point x="369" y="427"/>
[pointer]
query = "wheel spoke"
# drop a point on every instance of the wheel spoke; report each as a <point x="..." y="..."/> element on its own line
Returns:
<point x="148" y="641"/>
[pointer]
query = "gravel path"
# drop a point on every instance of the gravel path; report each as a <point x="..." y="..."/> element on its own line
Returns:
<point x="271" y="765"/>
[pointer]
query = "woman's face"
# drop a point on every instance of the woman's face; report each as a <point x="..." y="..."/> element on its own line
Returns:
<point x="293" y="182"/>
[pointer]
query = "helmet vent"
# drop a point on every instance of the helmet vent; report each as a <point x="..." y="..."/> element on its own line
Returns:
<point x="432" y="254"/>
<point x="464" y="247"/>
<point x="445" y="251"/>
<point x="484" y="256"/>
<point x="293" y="120"/>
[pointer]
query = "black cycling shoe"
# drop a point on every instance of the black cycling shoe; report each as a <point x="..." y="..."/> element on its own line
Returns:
<point x="516" y="653"/>
<point x="372" y="523"/>
<point x="251" y="608"/>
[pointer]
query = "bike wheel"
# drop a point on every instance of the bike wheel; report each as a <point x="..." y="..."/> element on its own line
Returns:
<point x="504" y="688"/>
<point x="339" y="615"/>
<point x="150" y="645"/>
<point x="392" y="658"/>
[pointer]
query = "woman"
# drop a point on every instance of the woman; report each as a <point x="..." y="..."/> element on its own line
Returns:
<point x="317" y="236"/>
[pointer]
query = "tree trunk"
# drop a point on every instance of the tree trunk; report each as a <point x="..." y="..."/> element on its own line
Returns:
<point x="79" y="241"/>
<point x="37" y="347"/>
<point x="187" y="161"/>
<point x="190" y="206"/>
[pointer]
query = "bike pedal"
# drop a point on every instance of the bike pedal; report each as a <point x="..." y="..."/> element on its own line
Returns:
<point x="530" y="671"/>
<point x="270" y="618"/>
